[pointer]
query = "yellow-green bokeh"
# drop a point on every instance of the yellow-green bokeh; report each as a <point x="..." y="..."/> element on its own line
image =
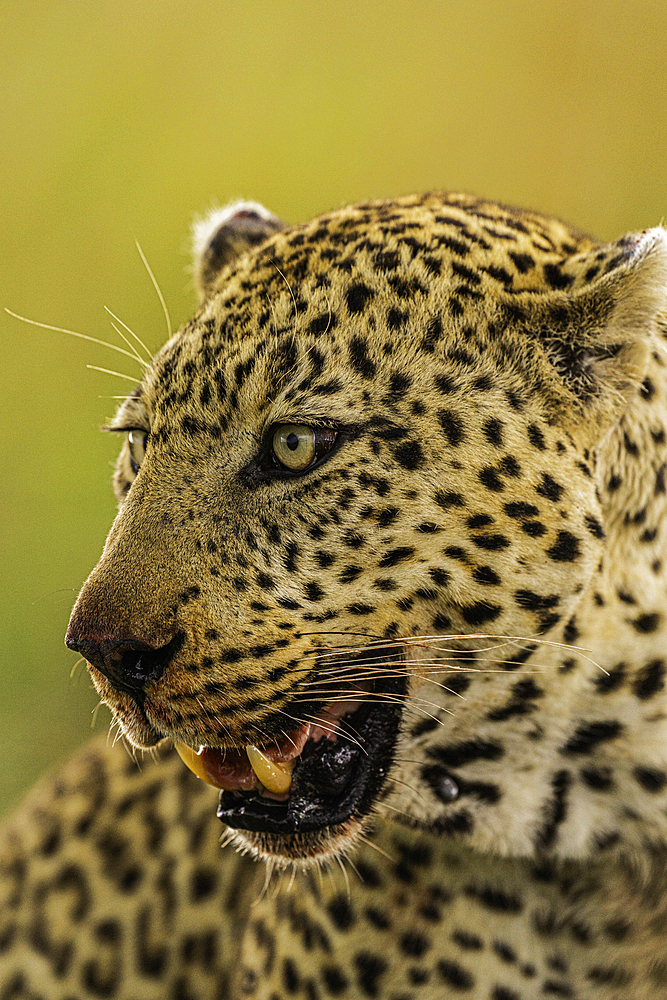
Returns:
<point x="121" y="119"/>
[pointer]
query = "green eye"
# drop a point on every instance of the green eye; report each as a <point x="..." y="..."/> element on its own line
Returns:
<point x="137" y="443"/>
<point x="296" y="446"/>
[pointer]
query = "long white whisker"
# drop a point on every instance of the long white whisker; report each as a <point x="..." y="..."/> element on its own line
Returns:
<point x="314" y="691"/>
<point x="399" y="812"/>
<point x="415" y="668"/>
<point x="354" y="671"/>
<point x="446" y="652"/>
<point x="108" y="371"/>
<point x="135" y="354"/>
<point x="95" y="713"/>
<point x="332" y="730"/>
<point x="78" y="663"/>
<point x="337" y="731"/>
<point x="352" y="865"/>
<point x="345" y="875"/>
<point x="369" y="843"/>
<point x="434" y="641"/>
<point x="410" y="702"/>
<point x="289" y="287"/>
<point x="73" y="333"/>
<point x="156" y="287"/>
<point x="131" y="332"/>
<point x="399" y="781"/>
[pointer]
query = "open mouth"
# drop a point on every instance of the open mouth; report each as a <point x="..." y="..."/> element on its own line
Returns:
<point x="319" y="775"/>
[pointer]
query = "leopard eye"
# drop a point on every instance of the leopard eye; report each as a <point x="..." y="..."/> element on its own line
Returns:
<point x="136" y="440"/>
<point x="296" y="446"/>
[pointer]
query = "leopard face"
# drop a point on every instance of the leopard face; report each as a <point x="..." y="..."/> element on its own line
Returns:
<point x="364" y="510"/>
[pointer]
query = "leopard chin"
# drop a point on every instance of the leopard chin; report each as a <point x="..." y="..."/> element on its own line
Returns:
<point x="298" y="850"/>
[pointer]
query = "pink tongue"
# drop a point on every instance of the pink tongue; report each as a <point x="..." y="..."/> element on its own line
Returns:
<point x="231" y="770"/>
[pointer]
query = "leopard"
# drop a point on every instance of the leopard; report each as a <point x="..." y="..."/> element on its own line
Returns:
<point x="388" y="576"/>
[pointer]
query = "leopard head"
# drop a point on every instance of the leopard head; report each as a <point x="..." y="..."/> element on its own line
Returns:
<point x="359" y="505"/>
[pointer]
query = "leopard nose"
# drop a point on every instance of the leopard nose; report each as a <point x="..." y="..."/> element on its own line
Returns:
<point x="128" y="663"/>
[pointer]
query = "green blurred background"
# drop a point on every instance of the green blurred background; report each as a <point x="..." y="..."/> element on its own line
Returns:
<point x="121" y="119"/>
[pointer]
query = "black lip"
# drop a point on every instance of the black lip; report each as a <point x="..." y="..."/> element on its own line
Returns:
<point x="331" y="781"/>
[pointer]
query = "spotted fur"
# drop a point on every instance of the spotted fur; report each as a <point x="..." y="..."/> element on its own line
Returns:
<point x="483" y="526"/>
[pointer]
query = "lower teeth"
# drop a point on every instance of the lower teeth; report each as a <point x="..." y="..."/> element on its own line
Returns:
<point x="276" y="777"/>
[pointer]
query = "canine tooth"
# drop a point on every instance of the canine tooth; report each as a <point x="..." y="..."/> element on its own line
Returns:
<point x="193" y="760"/>
<point x="276" y="777"/>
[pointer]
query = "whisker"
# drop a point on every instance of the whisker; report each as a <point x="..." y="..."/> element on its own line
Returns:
<point x="365" y="635"/>
<point x="416" y="668"/>
<point x="355" y="672"/>
<point x="345" y="875"/>
<point x="355" y="664"/>
<point x="413" y="704"/>
<point x="336" y="730"/>
<point x="95" y="713"/>
<point x="367" y="669"/>
<point x="382" y="698"/>
<point x="222" y="727"/>
<point x="293" y="874"/>
<point x="500" y="641"/>
<point x="286" y="736"/>
<point x="313" y="691"/>
<point x="82" y="659"/>
<point x="446" y="653"/>
<point x="134" y="756"/>
<point x="268" y="875"/>
<point x="131" y="333"/>
<point x="283" y="379"/>
<point x="126" y="341"/>
<point x="157" y="289"/>
<point x="353" y="866"/>
<point x="333" y="730"/>
<point x="434" y="641"/>
<point x="227" y="838"/>
<point x="407" y="760"/>
<point x="118" y="737"/>
<point x="73" y="333"/>
<point x="369" y="843"/>
<point x="108" y="371"/>
<point x="399" y="812"/>
<point x="289" y="288"/>
<point x="399" y="781"/>
<point x="347" y="672"/>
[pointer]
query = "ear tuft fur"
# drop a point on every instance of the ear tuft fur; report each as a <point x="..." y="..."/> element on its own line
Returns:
<point x="224" y="235"/>
<point x="598" y="336"/>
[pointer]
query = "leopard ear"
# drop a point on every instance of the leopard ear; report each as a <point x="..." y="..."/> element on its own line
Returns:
<point x="224" y="235"/>
<point x="598" y="332"/>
